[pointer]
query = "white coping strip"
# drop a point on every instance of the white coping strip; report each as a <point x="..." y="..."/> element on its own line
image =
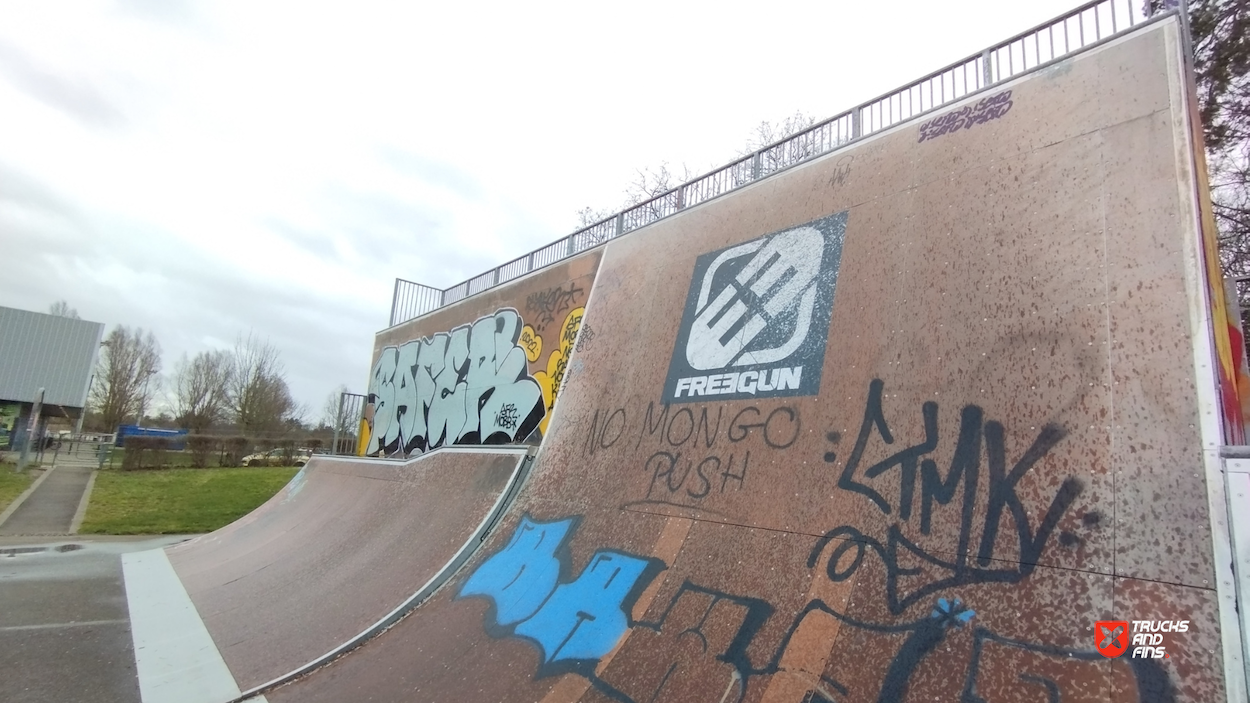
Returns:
<point x="466" y="449"/>
<point x="175" y="657"/>
<point x="81" y="512"/>
<point x="17" y="502"/>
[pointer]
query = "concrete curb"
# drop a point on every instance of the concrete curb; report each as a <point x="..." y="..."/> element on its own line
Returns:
<point x="82" y="504"/>
<point x="4" y="516"/>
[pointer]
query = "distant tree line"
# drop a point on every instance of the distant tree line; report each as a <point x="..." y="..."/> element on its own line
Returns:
<point x="203" y="451"/>
<point x="244" y="388"/>
<point x="238" y="396"/>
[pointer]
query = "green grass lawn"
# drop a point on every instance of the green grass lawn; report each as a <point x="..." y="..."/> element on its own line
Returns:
<point x="12" y="484"/>
<point x="177" y="501"/>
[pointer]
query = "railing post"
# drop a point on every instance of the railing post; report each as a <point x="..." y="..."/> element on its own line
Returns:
<point x="856" y="128"/>
<point x="755" y="166"/>
<point x="987" y="71"/>
<point x="620" y="223"/>
<point x="394" y="301"/>
<point x="681" y="197"/>
<point x="529" y="262"/>
<point x="569" y="248"/>
<point x="338" y="422"/>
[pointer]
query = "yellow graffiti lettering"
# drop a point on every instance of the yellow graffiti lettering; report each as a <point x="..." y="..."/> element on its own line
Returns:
<point x="531" y="343"/>
<point x="557" y="363"/>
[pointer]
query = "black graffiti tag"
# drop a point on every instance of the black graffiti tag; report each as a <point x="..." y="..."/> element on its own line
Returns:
<point x="913" y="464"/>
<point x="695" y="452"/>
<point x="546" y="305"/>
<point x="842" y="169"/>
<point x="586" y="337"/>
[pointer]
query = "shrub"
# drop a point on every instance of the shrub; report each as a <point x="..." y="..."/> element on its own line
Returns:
<point x="288" y="451"/>
<point x="145" y="453"/>
<point x="236" y="448"/>
<point x="200" y="447"/>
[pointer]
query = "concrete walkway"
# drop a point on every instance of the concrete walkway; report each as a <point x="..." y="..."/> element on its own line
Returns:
<point x="64" y="622"/>
<point x="53" y="505"/>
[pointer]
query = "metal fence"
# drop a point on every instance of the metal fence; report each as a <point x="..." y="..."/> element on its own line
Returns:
<point x="347" y="422"/>
<point x="1082" y="28"/>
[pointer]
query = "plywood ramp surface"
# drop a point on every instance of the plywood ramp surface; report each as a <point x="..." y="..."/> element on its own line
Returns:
<point x="901" y="424"/>
<point x="339" y="548"/>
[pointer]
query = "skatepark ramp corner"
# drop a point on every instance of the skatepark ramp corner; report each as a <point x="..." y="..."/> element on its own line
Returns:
<point x="945" y="413"/>
<point x="341" y="553"/>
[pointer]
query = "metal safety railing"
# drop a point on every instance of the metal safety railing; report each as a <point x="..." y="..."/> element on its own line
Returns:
<point x="1078" y="30"/>
<point x="347" y="421"/>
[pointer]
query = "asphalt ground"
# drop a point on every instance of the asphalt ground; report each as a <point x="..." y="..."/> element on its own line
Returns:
<point x="64" y="622"/>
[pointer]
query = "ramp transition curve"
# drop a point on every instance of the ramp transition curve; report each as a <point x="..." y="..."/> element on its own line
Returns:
<point x="336" y="556"/>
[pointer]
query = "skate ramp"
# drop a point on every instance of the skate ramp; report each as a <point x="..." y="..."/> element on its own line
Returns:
<point x="338" y="554"/>
<point x="901" y="424"/>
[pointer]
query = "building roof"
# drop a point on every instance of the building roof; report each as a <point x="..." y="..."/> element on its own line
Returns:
<point x="46" y="351"/>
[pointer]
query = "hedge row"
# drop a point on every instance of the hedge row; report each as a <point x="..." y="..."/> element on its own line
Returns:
<point x="154" y="452"/>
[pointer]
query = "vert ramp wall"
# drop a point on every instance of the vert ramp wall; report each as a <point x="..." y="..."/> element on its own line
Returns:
<point x="1004" y="447"/>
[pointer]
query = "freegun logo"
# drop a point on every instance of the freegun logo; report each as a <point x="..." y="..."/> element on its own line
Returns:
<point x="1148" y="641"/>
<point x="757" y="316"/>
<point x="750" y="382"/>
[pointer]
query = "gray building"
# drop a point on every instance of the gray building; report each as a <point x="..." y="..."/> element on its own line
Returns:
<point x="57" y="354"/>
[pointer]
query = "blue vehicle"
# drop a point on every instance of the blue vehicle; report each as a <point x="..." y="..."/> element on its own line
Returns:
<point x="178" y="438"/>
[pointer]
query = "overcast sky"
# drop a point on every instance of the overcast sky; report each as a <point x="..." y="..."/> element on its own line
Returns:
<point x="206" y="169"/>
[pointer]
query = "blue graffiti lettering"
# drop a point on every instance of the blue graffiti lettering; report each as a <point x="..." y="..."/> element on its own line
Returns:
<point x="521" y="576"/>
<point x="584" y="619"/>
<point x="573" y="623"/>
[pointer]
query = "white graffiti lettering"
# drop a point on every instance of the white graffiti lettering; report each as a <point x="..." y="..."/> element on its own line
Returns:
<point x="467" y="386"/>
<point x="779" y="379"/>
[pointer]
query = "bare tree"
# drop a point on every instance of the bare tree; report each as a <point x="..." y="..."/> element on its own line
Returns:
<point x="259" y="396"/>
<point x="767" y="133"/>
<point x="296" y="419"/>
<point x="651" y="183"/>
<point x="151" y="391"/>
<point x="588" y="216"/>
<point x="126" y="376"/>
<point x="655" y="188"/>
<point x="201" y="389"/>
<point x="1220" y="34"/>
<point x="61" y="308"/>
<point x="648" y="184"/>
<point x="333" y="414"/>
